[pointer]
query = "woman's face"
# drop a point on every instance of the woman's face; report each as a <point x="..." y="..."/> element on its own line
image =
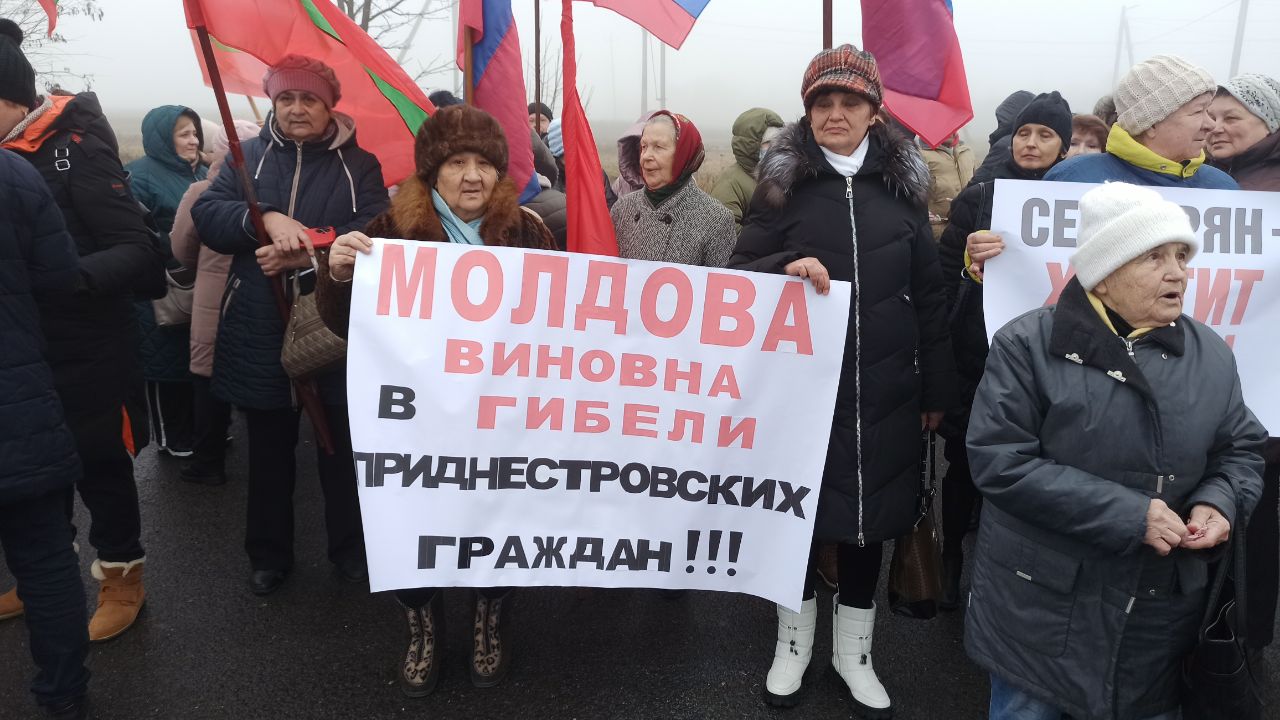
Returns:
<point x="1084" y="144"/>
<point x="1036" y="147"/>
<point x="840" y="120"/>
<point x="302" y="117"/>
<point x="1148" y="290"/>
<point x="1181" y="136"/>
<point x="1235" y="129"/>
<point x="658" y="154"/>
<point x="186" y="143"/>
<point x="466" y="182"/>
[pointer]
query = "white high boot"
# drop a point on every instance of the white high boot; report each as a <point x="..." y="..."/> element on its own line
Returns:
<point x="792" y="653"/>
<point x="851" y="632"/>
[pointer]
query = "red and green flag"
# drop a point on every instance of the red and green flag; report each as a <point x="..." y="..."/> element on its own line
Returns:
<point x="50" y="9"/>
<point x="250" y="35"/>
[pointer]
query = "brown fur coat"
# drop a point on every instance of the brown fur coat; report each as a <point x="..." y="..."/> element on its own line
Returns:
<point x="412" y="216"/>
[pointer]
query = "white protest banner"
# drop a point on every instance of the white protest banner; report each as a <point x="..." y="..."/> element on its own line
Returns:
<point x="534" y="418"/>
<point x="1233" y="285"/>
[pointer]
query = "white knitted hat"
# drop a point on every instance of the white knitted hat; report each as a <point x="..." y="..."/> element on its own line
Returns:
<point x="1119" y="222"/>
<point x="1260" y="95"/>
<point x="1155" y="88"/>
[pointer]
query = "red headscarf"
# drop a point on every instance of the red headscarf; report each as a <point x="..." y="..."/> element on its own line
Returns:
<point x="689" y="150"/>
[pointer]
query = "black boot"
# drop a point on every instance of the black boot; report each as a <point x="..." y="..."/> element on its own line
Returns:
<point x="420" y="670"/>
<point x="490" y="659"/>
<point x="952" y="564"/>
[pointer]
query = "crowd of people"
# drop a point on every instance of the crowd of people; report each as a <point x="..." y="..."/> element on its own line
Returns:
<point x="1081" y="553"/>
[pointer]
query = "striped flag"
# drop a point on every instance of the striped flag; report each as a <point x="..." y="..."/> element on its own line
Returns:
<point x="920" y="63"/>
<point x="384" y="101"/>
<point x="669" y="20"/>
<point x="497" y="76"/>
<point x="50" y="9"/>
<point x="590" y="227"/>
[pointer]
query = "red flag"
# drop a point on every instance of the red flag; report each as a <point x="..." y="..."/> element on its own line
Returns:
<point x="386" y="104"/>
<point x="669" y="20"/>
<point x="241" y="72"/>
<point x="50" y="9"/>
<point x="590" y="228"/>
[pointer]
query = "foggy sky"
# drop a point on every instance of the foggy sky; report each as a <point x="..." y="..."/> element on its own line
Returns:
<point x="741" y="53"/>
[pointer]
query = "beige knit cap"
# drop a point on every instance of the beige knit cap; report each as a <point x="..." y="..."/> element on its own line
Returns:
<point x="1155" y="88"/>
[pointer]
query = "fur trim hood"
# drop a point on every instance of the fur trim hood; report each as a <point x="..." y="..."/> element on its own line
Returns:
<point x="795" y="156"/>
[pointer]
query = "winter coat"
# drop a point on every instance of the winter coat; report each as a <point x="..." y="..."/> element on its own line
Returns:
<point x="629" y="178"/>
<point x="159" y="180"/>
<point x="897" y="358"/>
<point x="1127" y="160"/>
<point x="951" y="169"/>
<point x="211" y="277"/>
<point x="324" y="183"/>
<point x="37" y="256"/>
<point x="1074" y="431"/>
<point x="736" y="184"/>
<point x="91" y="334"/>
<point x="689" y="227"/>
<point x="412" y="216"/>
<point x="552" y="206"/>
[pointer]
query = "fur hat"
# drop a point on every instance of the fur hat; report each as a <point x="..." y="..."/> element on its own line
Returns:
<point x="843" y="68"/>
<point x="457" y="129"/>
<point x="1154" y="89"/>
<point x="299" y="72"/>
<point x="17" y="78"/>
<point x="1119" y="222"/>
<point x="1260" y="95"/>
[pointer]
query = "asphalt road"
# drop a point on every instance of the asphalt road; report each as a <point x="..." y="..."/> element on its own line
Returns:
<point x="205" y="647"/>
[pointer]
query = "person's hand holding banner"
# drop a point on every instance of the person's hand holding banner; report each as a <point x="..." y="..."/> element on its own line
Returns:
<point x="981" y="247"/>
<point x="342" y="258"/>
<point x="812" y="269"/>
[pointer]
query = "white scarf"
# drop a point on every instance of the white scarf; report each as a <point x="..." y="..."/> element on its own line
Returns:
<point x="848" y="165"/>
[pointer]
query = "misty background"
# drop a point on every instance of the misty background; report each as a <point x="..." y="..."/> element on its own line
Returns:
<point x="740" y="54"/>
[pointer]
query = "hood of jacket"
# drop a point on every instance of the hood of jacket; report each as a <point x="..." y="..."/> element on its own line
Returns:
<point x="1007" y="111"/>
<point x="157" y="136"/>
<point x="629" y="152"/>
<point x="795" y="156"/>
<point x="748" y="133"/>
<point x="343" y="129"/>
<point x="80" y="113"/>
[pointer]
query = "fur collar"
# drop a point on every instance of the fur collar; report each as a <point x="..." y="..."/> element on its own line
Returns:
<point x="412" y="216"/>
<point x="795" y="156"/>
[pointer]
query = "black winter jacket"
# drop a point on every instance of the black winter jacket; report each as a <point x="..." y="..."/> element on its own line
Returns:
<point x="1071" y="438"/>
<point x="897" y="351"/>
<point x="37" y="257"/>
<point x="339" y="186"/>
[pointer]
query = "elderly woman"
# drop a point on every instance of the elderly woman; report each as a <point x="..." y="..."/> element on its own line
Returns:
<point x="1088" y="135"/>
<point x="1245" y="142"/>
<point x="672" y="219"/>
<point x="460" y="194"/>
<point x="1113" y="447"/>
<point x="1042" y="132"/>
<point x="841" y="197"/>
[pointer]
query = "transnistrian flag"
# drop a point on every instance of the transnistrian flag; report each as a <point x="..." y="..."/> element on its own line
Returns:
<point x="920" y="63"/>
<point x="590" y="230"/>
<point x="387" y="105"/>
<point x="497" y="76"/>
<point x="669" y="20"/>
<point x="50" y="9"/>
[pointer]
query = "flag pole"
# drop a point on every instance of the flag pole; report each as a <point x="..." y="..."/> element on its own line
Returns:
<point x="305" y="390"/>
<point x="826" y="24"/>
<point x="537" y="52"/>
<point x="468" y="67"/>
<point x="257" y="115"/>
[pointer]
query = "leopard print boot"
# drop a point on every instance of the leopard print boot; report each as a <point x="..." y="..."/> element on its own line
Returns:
<point x="420" y="670"/>
<point x="490" y="661"/>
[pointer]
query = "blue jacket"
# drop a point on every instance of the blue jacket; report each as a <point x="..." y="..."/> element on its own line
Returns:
<point x="338" y="185"/>
<point x="37" y="451"/>
<point x="1127" y="160"/>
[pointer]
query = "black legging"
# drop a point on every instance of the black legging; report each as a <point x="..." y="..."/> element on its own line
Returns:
<point x="958" y="496"/>
<point x="421" y="597"/>
<point x="859" y="569"/>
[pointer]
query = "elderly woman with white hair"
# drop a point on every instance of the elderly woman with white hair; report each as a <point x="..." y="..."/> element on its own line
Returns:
<point x="1113" y="446"/>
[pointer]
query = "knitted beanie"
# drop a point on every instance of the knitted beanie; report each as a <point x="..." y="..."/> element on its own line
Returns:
<point x="456" y="129"/>
<point x="555" y="138"/>
<point x="843" y="68"/>
<point x="1118" y="223"/>
<point x="1052" y="111"/>
<point x="17" y="79"/>
<point x="1260" y="94"/>
<point x="541" y="109"/>
<point x="1155" y="88"/>
<point x="299" y="72"/>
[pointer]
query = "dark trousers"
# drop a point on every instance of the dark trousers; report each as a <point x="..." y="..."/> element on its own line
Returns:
<point x="1262" y="561"/>
<point x="212" y="419"/>
<point x="859" y="569"/>
<point x="106" y="487"/>
<point x="273" y="436"/>
<point x="36" y="538"/>
<point x="171" y="407"/>
<point x="958" y="496"/>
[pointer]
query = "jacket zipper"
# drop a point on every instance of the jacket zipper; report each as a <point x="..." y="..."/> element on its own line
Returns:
<point x="297" y="175"/>
<point x="857" y="352"/>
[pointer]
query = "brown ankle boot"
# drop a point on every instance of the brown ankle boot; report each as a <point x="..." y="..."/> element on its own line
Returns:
<point x="10" y="605"/>
<point x="120" y="598"/>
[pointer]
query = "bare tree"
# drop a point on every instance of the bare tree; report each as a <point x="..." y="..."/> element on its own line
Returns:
<point x="394" y="23"/>
<point x="48" y="54"/>
<point x="552" y="79"/>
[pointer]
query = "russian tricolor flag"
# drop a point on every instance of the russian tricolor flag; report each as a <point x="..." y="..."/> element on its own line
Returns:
<point x="920" y="63"/>
<point x="669" y="20"/>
